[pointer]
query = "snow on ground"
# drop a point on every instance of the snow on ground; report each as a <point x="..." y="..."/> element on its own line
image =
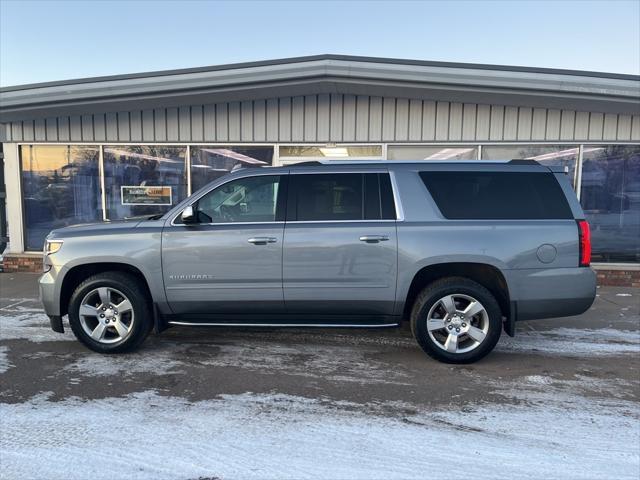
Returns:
<point x="573" y="342"/>
<point x="4" y="360"/>
<point x="146" y="436"/>
<point x="29" y="324"/>
<point x="332" y="362"/>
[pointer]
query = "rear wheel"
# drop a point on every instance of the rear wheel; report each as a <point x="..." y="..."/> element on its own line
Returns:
<point x="110" y="313"/>
<point x="456" y="320"/>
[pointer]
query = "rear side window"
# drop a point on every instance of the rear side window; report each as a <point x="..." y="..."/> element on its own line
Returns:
<point x="339" y="197"/>
<point x="497" y="195"/>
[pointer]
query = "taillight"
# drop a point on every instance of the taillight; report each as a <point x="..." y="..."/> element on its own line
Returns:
<point x="585" y="243"/>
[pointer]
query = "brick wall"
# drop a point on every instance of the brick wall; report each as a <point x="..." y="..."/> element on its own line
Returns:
<point x="615" y="276"/>
<point x="24" y="262"/>
<point x="618" y="277"/>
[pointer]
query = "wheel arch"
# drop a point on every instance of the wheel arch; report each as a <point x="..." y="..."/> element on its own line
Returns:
<point x="487" y="275"/>
<point x="75" y="275"/>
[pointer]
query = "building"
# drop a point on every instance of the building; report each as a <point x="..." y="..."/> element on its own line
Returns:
<point x="111" y="147"/>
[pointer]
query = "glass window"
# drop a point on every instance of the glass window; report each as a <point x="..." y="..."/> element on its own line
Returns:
<point x="422" y="152"/>
<point x="330" y="196"/>
<point x="610" y="198"/>
<point x="298" y="153"/>
<point x="497" y="195"/>
<point x="252" y="199"/>
<point x="143" y="180"/>
<point x="210" y="163"/>
<point x="60" y="187"/>
<point x="551" y="155"/>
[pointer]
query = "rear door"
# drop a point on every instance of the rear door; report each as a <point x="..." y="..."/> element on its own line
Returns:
<point x="340" y="243"/>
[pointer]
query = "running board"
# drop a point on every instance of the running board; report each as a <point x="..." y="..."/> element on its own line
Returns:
<point x="285" y="325"/>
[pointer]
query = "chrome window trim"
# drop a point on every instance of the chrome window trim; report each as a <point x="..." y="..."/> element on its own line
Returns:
<point x="387" y="220"/>
<point x="223" y="224"/>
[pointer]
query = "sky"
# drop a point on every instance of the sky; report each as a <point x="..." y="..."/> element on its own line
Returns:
<point x="57" y="40"/>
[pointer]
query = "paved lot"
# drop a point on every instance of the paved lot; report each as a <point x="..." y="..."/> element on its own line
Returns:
<point x="561" y="400"/>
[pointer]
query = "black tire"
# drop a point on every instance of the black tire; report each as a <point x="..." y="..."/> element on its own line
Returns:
<point x="141" y="324"/>
<point x="439" y="289"/>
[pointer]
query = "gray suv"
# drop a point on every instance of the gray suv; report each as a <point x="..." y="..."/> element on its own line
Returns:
<point x="460" y="250"/>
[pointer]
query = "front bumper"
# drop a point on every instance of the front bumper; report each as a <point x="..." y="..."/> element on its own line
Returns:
<point x="49" y="292"/>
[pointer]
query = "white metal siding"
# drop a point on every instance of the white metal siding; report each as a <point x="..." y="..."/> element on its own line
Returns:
<point x="331" y="117"/>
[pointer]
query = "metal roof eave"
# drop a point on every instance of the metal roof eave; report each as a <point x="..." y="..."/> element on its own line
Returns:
<point x="453" y="82"/>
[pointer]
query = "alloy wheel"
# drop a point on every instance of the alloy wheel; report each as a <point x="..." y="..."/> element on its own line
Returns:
<point x="106" y="315"/>
<point x="457" y="323"/>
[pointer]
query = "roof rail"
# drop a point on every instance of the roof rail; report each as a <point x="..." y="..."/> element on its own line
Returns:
<point x="523" y="161"/>
<point x="309" y="163"/>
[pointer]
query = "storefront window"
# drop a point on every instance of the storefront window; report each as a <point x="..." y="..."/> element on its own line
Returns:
<point x="60" y="187"/>
<point x="301" y="153"/>
<point x="410" y="152"/>
<point x="210" y="163"/>
<point x="552" y="155"/>
<point x="143" y="180"/>
<point x="610" y="198"/>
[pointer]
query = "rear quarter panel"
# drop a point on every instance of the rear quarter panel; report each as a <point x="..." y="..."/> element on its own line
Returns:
<point x="537" y="247"/>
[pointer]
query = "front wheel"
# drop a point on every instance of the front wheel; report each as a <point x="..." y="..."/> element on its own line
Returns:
<point x="456" y="320"/>
<point x="110" y="313"/>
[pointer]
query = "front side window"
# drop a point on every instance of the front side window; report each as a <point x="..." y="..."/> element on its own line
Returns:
<point x="252" y="199"/>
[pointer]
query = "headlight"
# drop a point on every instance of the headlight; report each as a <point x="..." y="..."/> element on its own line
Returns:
<point x="52" y="246"/>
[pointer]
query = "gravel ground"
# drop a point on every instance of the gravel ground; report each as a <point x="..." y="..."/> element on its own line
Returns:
<point x="560" y="400"/>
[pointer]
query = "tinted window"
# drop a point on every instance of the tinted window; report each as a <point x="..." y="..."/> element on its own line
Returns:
<point x="252" y="199"/>
<point x="387" y="203"/>
<point x="328" y="196"/>
<point x="341" y="196"/>
<point x="497" y="195"/>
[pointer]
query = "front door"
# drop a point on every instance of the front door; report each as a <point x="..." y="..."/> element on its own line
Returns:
<point x="340" y="245"/>
<point x="230" y="261"/>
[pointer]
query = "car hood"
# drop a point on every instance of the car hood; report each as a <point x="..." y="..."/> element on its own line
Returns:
<point x="95" y="228"/>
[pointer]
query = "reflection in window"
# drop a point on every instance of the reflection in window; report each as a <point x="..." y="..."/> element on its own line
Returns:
<point x="610" y="198"/>
<point x="210" y="163"/>
<point x="408" y="152"/>
<point x="551" y="155"/>
<point x="250" y="199"/>
<point x="298" y="153"/>
<point x="336" y="196"/>
<point x="143" y="166"/>
<point x="60" y="187"/>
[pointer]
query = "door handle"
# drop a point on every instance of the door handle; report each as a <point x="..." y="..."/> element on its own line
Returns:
<point x="262" y="240"/>
<point x="374" y="238"/>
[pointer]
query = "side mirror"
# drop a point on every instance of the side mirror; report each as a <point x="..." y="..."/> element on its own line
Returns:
<point x="188" y="215"/>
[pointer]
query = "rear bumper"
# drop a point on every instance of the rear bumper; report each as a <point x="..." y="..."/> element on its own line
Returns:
<point x="553" y="292"/>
